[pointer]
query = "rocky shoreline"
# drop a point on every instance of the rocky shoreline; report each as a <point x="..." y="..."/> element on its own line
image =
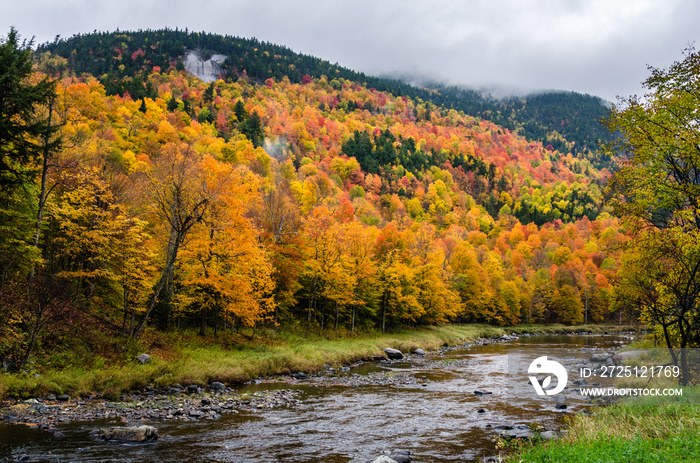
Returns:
<point x="194" y="403"/>
<point x="191" y="403"/>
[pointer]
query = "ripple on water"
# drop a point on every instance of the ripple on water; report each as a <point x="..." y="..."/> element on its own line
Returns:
<point x="434" y="414"/>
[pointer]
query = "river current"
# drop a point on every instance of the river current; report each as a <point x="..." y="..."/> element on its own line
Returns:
<point x="438" y="417"/>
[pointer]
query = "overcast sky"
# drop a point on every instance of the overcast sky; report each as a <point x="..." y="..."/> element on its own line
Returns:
<point x="600" y="47"/>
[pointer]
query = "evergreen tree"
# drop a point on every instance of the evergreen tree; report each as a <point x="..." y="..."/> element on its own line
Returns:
<point x="252" y="129"/>
<point x="239" y="111"/>
<point x="19" y="129"/>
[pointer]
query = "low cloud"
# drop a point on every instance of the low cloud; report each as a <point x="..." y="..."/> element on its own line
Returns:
<point x="597" y="47"/>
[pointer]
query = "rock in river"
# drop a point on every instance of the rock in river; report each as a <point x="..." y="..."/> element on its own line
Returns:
<point x="217" y="386"/>
<point x="600" y="358"/>
<point x="129" y="434"/>
<point x="384" y="459"/>
<point x="393" y="354"/>
<point x="401" y="456"/>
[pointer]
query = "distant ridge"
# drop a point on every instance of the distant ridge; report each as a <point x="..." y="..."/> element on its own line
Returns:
<point x="564" y="121"/>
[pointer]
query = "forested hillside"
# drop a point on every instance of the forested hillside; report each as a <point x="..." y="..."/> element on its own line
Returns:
<point x="263" y="198"/>
<point x="566" y="121"/>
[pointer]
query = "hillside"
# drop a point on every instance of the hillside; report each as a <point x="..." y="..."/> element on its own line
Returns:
<point x="566" y="121"/>
<point x="323" y="203"/>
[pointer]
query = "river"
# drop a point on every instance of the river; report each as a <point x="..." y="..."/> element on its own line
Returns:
<point x="435" y="414"/>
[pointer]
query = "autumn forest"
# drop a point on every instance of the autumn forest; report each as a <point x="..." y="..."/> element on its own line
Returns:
<point x="142" y="198"/>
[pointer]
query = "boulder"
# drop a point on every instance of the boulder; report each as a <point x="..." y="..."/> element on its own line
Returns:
<point x="384" y="459"/>
<point x="502" y="427"/>
<point x="129" y="434"/>
<point x="560" y="406"/>
<point x="143" y="358"/>
<point x="600" y="358"/>
<point x="217" y="386"/>
<point x="300" y="375"/>
<point x="393" y="354"/>
<point x="482" y="392"/>
<point x="419" y="352"/>
<point x="548" y="435"/>
<point x="401" y="456"/>
<point x="523" y="434"/>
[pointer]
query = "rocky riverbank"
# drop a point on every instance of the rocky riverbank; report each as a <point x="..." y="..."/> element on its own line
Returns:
<point x="194" y="403"/>
<point x="191" y="403"/>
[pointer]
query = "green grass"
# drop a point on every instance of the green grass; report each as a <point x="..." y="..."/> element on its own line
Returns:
<point x="645" y="430"/>
<point x="186" y="358"/>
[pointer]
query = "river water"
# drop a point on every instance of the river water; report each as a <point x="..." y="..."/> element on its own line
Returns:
<point x="437" y="416"/>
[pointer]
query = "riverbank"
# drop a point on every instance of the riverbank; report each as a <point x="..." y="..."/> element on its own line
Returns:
<point x="185" y="358"/>
<point x="640" y="431"/>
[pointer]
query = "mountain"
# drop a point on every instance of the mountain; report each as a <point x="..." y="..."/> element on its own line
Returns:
<point x="270" y="196"/>
<point x="566" y="121"/>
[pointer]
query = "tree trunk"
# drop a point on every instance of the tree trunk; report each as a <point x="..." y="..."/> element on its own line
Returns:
<point x="203" y="325"/>
<point x="169" y="268"/>
<point x="384" y="302"/>
<point x="312" y="300"/>
<point x="337" y="311"/>
<point x="36" y="326"/>
<point x="42" y="191"/>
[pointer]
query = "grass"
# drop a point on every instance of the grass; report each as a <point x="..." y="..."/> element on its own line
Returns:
<point x="642" y="431"/>
<point x="638" y="430"/>
<point x="186" y="358"/>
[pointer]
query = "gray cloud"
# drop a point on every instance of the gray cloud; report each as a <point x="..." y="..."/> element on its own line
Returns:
<point x="599" y="47"/>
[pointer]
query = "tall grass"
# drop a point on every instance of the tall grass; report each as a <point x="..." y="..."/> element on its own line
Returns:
<point x="640" y="430"/>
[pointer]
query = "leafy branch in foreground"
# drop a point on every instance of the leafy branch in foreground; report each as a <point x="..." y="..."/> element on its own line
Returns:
<point x="658" y="188"/>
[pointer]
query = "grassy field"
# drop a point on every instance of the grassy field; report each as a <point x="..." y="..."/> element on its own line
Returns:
<point x="186" y="358"/>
